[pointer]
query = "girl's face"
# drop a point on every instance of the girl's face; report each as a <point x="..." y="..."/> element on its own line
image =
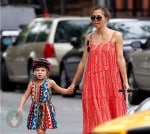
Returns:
<point x="41" y="73"/>
<point x="98" y="19"/>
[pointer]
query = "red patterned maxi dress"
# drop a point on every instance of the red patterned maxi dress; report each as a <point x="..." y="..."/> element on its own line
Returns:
<point x="101" y="99"/>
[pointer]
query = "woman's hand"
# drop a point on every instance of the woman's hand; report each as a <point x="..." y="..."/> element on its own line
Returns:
<point x="72" y="86"/>
<point x="70" y="90"/>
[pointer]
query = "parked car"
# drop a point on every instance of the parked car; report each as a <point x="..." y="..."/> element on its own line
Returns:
<point x="137" y="123"/>
<point x="143" y="106"/>
<point x="139" y="73"/>
<point x="42" y="37"/>
<point x="131" y="29"/>
<point x="134" y="122"/>
<point x="7" y="37"/>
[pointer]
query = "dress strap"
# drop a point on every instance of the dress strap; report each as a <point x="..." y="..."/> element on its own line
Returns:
<point x="112" y="36"/>
<point x="88" y="42"/>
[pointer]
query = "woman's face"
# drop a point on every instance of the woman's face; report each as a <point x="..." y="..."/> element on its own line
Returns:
<point x="98" y="19"/>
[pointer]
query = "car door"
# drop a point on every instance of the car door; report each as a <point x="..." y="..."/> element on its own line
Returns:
<point x="141" y="64"/>
<point x="13" y="57"/>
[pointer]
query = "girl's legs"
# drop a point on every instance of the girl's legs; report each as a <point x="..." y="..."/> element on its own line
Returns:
<point x="41" y="131"/>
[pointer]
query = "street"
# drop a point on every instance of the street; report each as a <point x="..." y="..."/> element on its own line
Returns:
<point x="68" y="114"/>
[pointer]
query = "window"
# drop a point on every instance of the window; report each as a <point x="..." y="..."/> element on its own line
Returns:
<point x="34" y="31"/>
<point x="70" y="28"/>
<point x="21" y="38"/>
<point x="39" y="31"/>
<point x="44" y="31"/>
<point x="132" y="29"/>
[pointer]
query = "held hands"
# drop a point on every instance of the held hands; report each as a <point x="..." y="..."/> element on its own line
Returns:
<point x="70" y="90"/>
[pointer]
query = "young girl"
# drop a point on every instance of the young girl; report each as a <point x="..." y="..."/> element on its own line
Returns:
<point x="42" y="112"/>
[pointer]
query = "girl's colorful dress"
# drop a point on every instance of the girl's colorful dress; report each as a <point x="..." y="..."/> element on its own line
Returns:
<point x="101" y="99"/>
<point x="42" y="112"/>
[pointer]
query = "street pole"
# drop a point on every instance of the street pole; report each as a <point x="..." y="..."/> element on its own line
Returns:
<point x="44" y="8"/>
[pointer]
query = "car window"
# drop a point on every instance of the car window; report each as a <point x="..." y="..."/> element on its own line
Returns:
<point x="131" y="29"/>
<point x="38" y="31"/>
<point x="68" y="29"/>
<point x="44" y="31"/>
<point x="22" y="36"/>
<point x="146" y="26"/>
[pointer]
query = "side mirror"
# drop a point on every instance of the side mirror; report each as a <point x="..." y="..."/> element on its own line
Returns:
<point x="136" y="44"/>
<point x="75" y="42"/>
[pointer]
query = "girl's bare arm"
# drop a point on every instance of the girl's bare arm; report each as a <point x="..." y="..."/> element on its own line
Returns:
<point x="57" y="88"/>
<point x="24" y="98"/>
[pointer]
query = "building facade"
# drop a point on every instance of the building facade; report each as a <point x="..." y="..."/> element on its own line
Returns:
<point x="118" y="8"/>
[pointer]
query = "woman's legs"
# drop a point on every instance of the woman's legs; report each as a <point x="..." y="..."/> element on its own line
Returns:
<point x="41" y="131"/>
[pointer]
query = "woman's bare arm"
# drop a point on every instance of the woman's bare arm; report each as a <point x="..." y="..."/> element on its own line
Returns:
<point x="120" y="59"/>
<point x="81" y="64"/>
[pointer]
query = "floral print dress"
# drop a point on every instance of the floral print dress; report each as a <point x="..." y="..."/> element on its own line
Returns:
<point x="42" y="112"/>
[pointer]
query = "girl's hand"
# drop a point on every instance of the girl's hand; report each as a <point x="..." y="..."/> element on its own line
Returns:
<point x="19" y="111"/>
<point x="72" y="86"/>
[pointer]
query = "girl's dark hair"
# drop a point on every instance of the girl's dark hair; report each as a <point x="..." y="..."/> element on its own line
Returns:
<point x="104" y="9"/>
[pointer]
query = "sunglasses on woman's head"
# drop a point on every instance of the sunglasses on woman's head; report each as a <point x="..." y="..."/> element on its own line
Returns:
<point x="98" y="18"/>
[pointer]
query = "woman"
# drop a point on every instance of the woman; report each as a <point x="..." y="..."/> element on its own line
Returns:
<point x="100" y="97"/>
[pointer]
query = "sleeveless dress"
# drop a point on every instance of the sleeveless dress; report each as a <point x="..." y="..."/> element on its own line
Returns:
<point x="42" y="112"/>
<point x="101" y="100"/>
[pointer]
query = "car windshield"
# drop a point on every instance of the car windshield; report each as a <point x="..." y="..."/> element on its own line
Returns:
<point x="132" y="29"/>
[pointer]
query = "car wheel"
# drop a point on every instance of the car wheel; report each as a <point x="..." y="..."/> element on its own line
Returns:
<point x="63" y="77"/>
<point x="64" y="82"/>
<point x="5" y="83"/>
<point x="133" y="96"/>
<point x="30" y="73"/>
